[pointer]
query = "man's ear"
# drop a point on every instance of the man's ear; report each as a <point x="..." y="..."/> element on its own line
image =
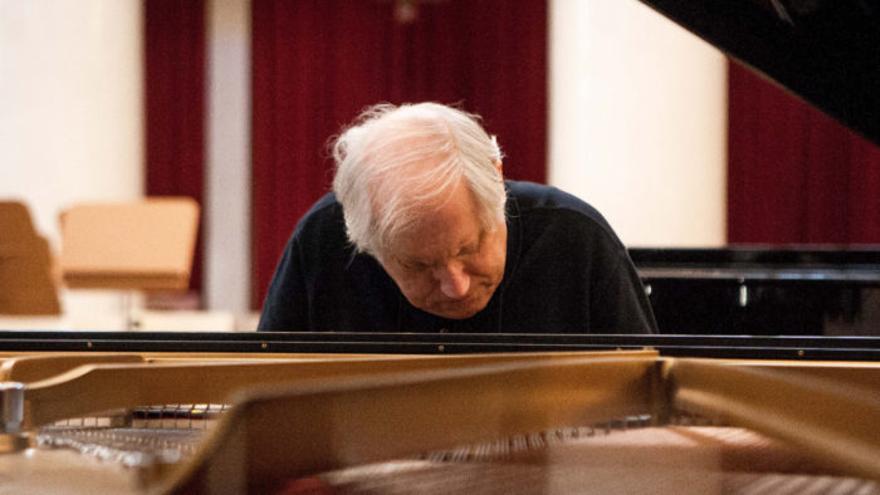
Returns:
<point x="500" y="167"/>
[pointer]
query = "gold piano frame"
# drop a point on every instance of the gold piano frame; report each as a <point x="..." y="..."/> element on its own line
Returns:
<point x="297" y="415"/>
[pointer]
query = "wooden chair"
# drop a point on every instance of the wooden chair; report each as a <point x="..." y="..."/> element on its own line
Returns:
<point x="26" y="282"/>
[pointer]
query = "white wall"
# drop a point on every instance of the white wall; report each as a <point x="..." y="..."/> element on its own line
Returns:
<point x="71" y="99"/>
<point x="71" y="112"/>
<point x="638" y="122"/>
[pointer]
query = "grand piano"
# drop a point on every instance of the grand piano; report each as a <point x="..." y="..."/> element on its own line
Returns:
<point x="786" y="409"/>
<point x="824" y="52"/>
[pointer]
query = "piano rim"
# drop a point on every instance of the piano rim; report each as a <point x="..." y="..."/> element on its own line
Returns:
<point x="14" y="343"/>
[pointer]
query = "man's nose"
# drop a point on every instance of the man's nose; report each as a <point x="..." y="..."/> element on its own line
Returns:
<point x="454" y="282"/>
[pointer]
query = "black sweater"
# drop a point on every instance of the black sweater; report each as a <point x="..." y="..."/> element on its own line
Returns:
<point x="566" y="272"/>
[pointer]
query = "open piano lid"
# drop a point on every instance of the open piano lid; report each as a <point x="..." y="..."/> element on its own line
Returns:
<point x="825" y="51"/>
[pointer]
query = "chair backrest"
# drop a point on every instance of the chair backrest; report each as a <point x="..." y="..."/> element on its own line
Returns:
<point x="145" y="245"/>
<point x="26" y="282"/>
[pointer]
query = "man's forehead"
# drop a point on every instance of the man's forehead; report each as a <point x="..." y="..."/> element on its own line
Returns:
<point x="421" y="245"/>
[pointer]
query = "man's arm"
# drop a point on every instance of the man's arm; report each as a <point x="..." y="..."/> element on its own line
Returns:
<point x="620" y="305"/>
<point x="286" y="304"/>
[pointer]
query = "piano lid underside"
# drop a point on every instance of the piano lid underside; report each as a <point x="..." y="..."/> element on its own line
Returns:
<point x="825" y="51"/>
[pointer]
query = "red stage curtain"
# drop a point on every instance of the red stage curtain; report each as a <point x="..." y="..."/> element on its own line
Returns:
<point x="796" y="175"/>
<point x="174" y="46"/>
<point x="317" y="63"/>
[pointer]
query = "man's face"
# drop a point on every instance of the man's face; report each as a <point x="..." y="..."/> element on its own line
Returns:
<point x="448" y="264"/>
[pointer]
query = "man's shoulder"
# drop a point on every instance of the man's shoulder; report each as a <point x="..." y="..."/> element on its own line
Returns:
<point x="325" y="206"/>
<point x="541" y="201"/>
<point x="320" y="232"/>
<point x="326" y="212"/>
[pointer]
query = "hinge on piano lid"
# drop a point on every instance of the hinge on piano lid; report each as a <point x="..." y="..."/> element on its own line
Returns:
<point x="12" y="439"/>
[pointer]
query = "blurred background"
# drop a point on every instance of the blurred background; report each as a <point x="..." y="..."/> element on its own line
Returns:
<point x="232" y="102"/>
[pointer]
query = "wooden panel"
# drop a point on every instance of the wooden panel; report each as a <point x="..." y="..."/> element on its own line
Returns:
<point x="141" y="245"/>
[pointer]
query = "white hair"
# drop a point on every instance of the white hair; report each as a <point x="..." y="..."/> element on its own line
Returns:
<point x="396" y="163"/>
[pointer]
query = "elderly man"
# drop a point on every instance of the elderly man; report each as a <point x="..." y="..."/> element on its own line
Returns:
<point x="422" y="234"/>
